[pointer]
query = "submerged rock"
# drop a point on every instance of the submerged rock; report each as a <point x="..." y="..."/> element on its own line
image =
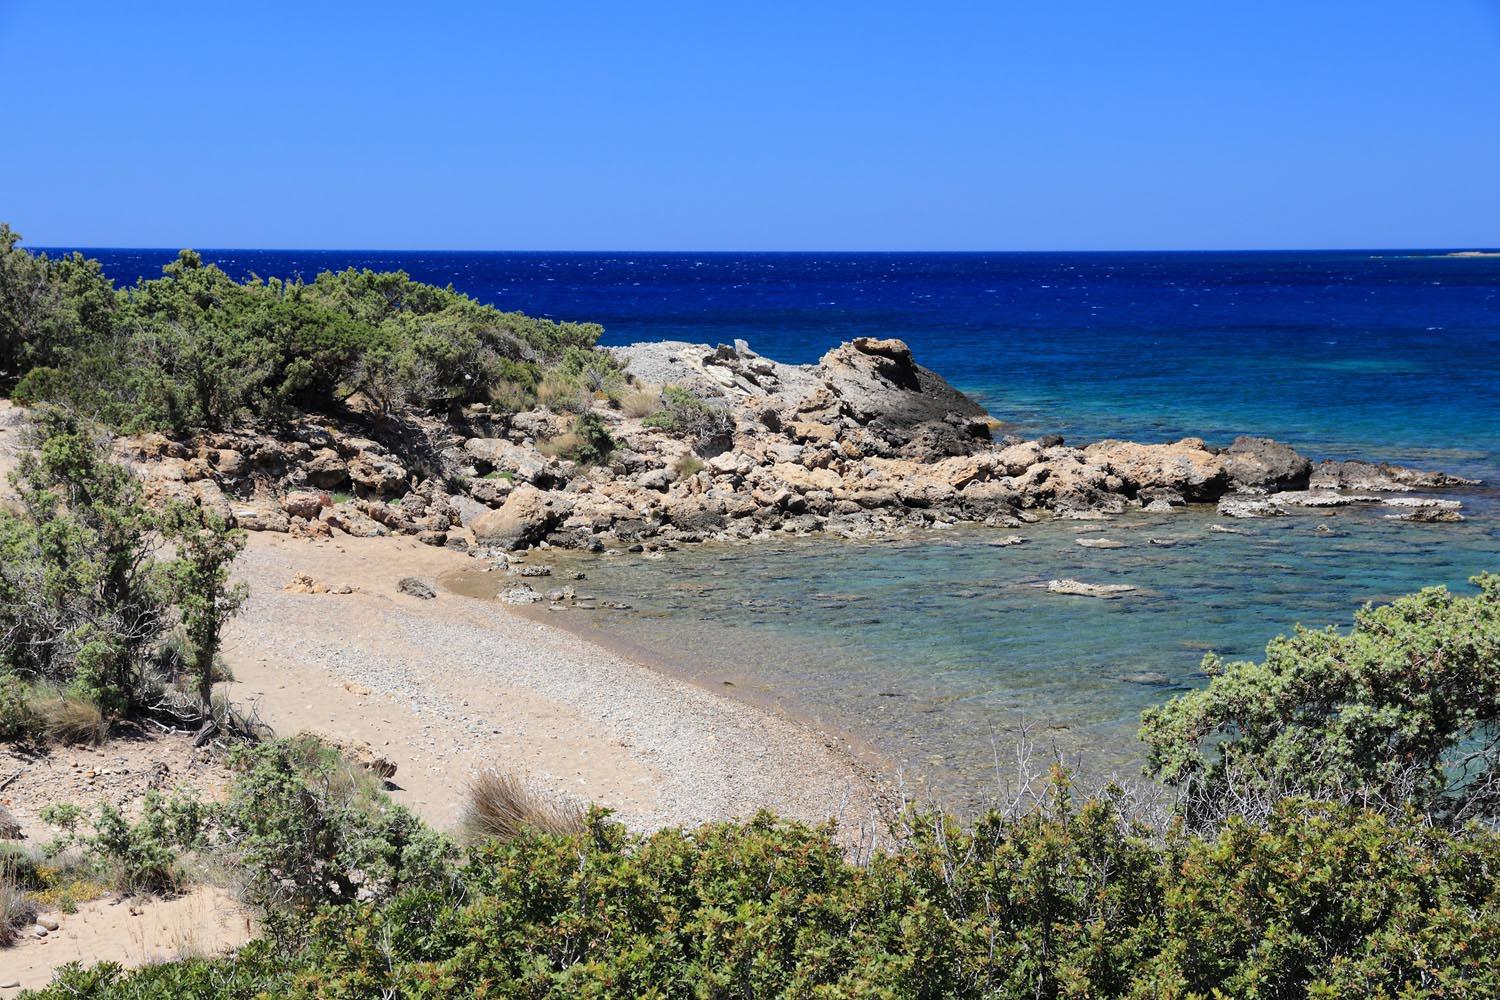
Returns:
<point x="1237" y="506"/>
<point x="1075" y="588"/>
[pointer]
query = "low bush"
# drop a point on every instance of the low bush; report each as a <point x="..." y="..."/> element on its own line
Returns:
<point x="709" y="425"/>
<point x="1401" y="712"/>
<point x="1069" y="900"/>
<point x="17" y="909"/>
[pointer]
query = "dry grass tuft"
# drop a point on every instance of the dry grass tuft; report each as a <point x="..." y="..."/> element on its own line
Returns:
<point x="640" y="402"/>
<point x="66" y="719"/>
<point x="562" y="394"/>
<point x="10" y="828"/>
<point x="502" y="806"/>
<point x="687" y="465"/>
<point x="561" y="446"/>
<point x="16" y="908"/>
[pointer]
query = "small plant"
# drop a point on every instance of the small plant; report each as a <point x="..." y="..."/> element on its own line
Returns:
<point x="640" y="402"/>
<point x="341" y="496"/>
<point x="688" y="416"/>
<point x="687" y="466"/>
<point x="588" y="443"/>
<point x="17" y="909"/>
<point x="502" y="807"/>
<point x="68" y="719"/>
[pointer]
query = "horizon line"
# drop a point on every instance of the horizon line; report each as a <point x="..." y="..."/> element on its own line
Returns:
<point x="1453" y="249"/>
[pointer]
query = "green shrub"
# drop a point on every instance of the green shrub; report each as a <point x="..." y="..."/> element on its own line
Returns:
<point x="1402" y="711"/>
<point x="687" y="416"/>
<point x="1067" y="901"/>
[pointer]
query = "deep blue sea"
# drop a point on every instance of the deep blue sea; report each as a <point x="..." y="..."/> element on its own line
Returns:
<point x="933" y="648"/>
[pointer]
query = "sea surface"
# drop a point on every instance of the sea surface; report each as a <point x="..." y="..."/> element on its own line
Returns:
<point x="935" y="648"/>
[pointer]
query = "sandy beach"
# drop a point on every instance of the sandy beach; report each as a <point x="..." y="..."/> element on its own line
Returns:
<point x="448" y="686"/>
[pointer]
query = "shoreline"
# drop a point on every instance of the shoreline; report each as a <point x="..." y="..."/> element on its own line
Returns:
<point x="448" y="686"/>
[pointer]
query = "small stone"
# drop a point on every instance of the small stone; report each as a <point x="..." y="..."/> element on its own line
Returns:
<point x="48" y="922"/>
<point x="416" y="588"/>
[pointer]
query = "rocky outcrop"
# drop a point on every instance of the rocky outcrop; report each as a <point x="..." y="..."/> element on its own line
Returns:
<point x="866" y="442"/>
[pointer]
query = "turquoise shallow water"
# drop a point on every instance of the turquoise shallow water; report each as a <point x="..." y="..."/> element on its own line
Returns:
<point x="933" y="648"/>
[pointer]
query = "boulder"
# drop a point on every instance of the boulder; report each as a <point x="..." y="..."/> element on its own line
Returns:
<point x="1382" y="477"/>
<point x="1261" y="463"/>
<point x="525" y="517"/>
<point x="911" y="408"/>
<point x="413" y="587"/>
<point x="1186" y="467"/>
<point x="352" y="521"/>
<point x="1250" y="506"/>
<point x="325" y="470"/>
<point x="305" y="503"/>
<point x="377" y="474"/>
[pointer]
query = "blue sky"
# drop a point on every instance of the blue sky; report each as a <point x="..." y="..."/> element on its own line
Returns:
<point x="923" y="126"/>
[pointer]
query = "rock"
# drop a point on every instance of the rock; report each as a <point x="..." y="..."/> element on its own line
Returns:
<point x="356" y="752"/>
<point x="1381" y="477"/>
<point x="259" y="518"/>
<point x="1150" y="678"/>
<point x="437" y="539"/>
<point x="1249" y="506"/>
<point x="520" y="595"/>
<point x="303" y="583"/>
<point x="1261" y="463"/>
<point x="49" y="923"/>
<point x="1099" y="543"/>
<point x="1185" y="468"/>
<point x="325" y="470"/>
<point x="305" y="504"/>
<point x="880" y="385"/>
<point x="1323" y="498"/>
<point x="377" y="474"/>
<point x="524" y="518"/>
<point x="1009" y="540"/>
<point x="1429" y="515"/>
<point x="1221" y="529"/>
<point x="416" y="588"/>
<point x="1106" y="591"/>
<point x="352" y="521"/>
<point x="10" y="828"/>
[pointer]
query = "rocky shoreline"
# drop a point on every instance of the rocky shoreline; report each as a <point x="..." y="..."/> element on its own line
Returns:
<point x="865" y="443"/>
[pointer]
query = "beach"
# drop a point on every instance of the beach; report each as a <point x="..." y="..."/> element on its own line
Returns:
<point x="448" y="686"/>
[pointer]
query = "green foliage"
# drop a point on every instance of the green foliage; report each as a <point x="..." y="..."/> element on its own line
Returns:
<point x="594" y="440"/>
<point x="81" y="600"/>
<point x="206" y="547"/>
<point x="48" y="308"/>
<point x="144" y="856"/>
<point x="686" y="415"/>
<point x="596" y="371"/>
<point x="307" y="830"/>
<point x="1401" y="711"/>
<point x="1068" y="901"/>
<point x="196" y="349"/>
<point x="18" y="721"/>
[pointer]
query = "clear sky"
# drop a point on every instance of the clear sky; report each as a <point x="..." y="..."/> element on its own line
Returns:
<point x="915" y="125"/>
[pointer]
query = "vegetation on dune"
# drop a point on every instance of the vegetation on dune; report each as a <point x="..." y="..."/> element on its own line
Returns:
<point x="1067" y="899"/>
<point x="195" y="349"/>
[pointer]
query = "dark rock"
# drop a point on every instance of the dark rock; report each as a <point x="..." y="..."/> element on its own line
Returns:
<point x="1261" y="463"/>
<point x="410" y="585"/>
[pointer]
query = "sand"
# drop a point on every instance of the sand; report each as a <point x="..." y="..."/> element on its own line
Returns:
<point x="449" y="686"/>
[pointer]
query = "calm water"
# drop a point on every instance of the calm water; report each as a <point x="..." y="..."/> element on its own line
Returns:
<point x="932" y="646"/>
